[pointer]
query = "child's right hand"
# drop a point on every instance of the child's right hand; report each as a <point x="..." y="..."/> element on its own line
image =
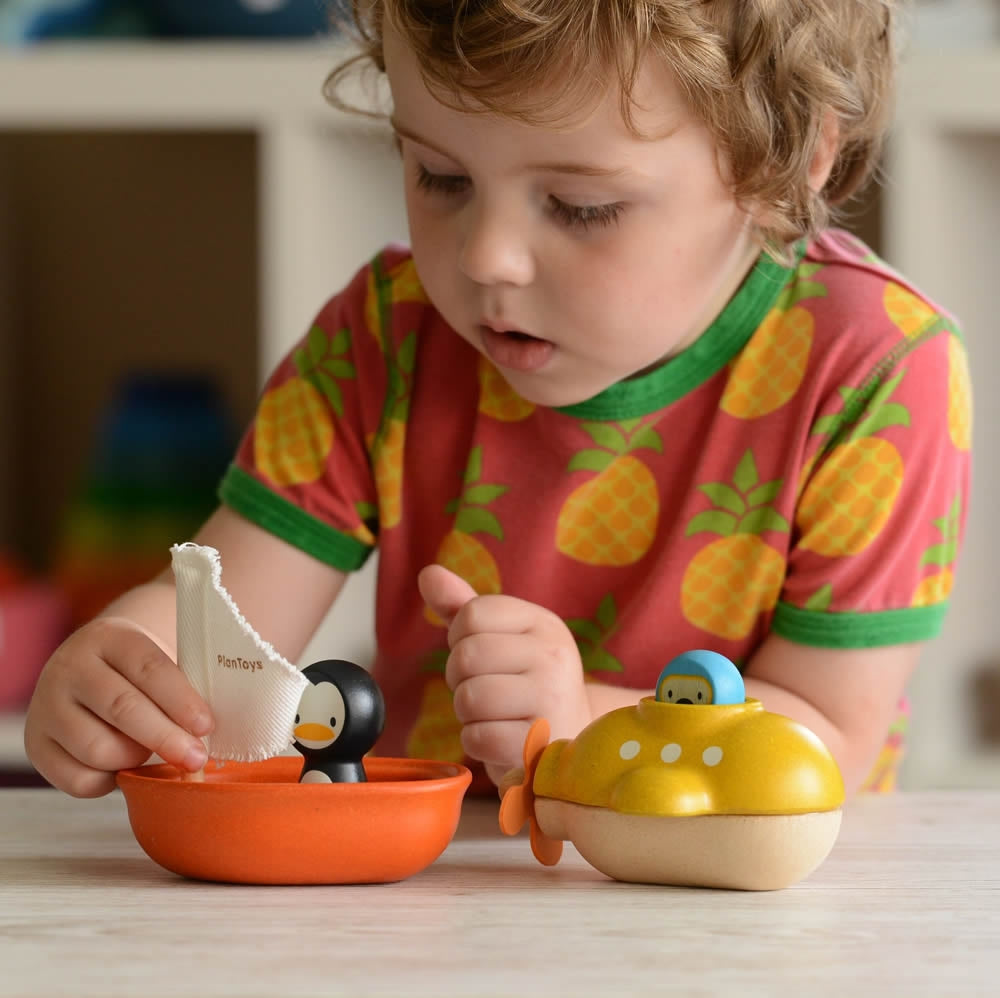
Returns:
<point x="106" y="700"/>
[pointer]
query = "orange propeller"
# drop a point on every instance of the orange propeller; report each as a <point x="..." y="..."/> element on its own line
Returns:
<point x="518" y="804"/>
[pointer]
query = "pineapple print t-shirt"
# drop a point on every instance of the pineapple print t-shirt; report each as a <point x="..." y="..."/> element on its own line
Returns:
<point x="801" y="469"/>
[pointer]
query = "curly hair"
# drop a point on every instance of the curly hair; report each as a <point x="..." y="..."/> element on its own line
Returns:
<point x="763" y="75"/>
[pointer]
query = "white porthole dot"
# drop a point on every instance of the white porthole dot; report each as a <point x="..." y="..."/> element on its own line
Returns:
<point x="712" y="756"/>
<point x="671" y="752"/>
<point x="629" y="749"/>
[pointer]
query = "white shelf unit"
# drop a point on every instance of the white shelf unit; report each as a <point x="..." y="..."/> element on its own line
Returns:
<point x="942" y="214"/>
<point x="329" y="188"/>
<point x="329" y="194"/>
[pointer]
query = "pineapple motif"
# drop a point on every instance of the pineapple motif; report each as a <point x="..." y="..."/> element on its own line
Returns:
<point x="769" y="371"/>
<point x="848" y="501"/>
<point x="437" y="732"/>
<point x="497" y="398"/>
<point x="293" y="431"/>
<point x="821" y="599"/>
<point x="460" y="551"/>
<point x="387" y="288"/>
<point x="591" y="636"/>
<point x="959" y="395"/>
<point x="882" y="778"/>
<point x="806" y="471"/>
<point x="737" y="576"/>
<point x="611" y="519"/>
<point x="910" y="314"/>
<point x="387" y="448"/>
<point x="367" y="522"/>
<point x="936" y="587"/>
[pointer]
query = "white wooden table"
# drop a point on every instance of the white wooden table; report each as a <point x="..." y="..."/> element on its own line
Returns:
<point x="907" y="904"/>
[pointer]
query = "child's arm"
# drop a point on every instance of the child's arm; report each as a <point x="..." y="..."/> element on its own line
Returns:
<point x="111" y="693"/>
<point x="848" y="697"/>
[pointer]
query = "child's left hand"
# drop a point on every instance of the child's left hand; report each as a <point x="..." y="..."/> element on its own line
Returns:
<point x="511" y="661"/>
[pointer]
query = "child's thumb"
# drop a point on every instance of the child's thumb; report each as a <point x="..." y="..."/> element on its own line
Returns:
<point x="444" y="591"/>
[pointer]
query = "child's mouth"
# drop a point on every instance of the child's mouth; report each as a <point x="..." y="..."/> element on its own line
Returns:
<point x="515" y="350"/>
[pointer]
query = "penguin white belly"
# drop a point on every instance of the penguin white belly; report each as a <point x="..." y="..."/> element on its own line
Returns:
<point x="315" y="776"/>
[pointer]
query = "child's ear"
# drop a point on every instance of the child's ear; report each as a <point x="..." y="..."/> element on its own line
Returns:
<point x="825" y="152"/>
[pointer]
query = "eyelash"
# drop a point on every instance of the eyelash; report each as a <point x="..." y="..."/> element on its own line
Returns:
<point x="581" y="218"/>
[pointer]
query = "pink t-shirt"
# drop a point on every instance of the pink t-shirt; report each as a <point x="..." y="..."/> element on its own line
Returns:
<point x="802" y="468"/>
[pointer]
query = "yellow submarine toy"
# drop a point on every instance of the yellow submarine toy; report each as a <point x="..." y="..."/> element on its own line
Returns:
<point x="695" y="786"/>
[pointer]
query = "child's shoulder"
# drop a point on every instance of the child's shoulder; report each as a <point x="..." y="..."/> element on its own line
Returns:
<point x="391" y="278"/>
<point x="845" y="321"/>
<point x="857" y="291"/>
<point x="390" y="265"/>
<point x="384" y="296"/>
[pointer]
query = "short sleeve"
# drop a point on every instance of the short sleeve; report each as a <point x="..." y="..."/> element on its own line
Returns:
<point x="882" y="503"/>
<point x="303" y="470"/>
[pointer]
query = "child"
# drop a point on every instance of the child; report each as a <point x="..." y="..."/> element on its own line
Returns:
<point x="626" y="396"/>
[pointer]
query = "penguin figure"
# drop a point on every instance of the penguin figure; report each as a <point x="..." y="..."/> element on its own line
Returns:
<point x="340" y="716"/>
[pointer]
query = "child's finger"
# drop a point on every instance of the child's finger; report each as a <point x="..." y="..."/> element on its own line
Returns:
<point x="498" y="614"/>
<point x="144" y="665"/>
<point x="62" y="770"/>
<point x="118" y="701"/>
<point x="496" y="743"/>
<point x="95" y="744"/>
<point x="444" y="591"/>
<point x="130" y="711"/>
<point x="496" y="697"/>
<point x="491" y="653"/>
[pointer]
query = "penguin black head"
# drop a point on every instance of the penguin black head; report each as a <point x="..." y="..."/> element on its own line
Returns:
<point x="340" y="716"/>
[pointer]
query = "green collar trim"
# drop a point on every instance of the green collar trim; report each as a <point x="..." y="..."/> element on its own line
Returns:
<point x="723" y="339"/>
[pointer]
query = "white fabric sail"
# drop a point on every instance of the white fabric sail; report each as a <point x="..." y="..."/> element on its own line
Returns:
<point x="253" y="692"/>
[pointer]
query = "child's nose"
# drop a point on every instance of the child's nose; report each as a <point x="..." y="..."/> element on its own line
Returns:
<point x="494" y="249"/>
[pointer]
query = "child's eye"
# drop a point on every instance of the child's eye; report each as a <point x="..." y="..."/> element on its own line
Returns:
<point x="584" y="217"/>
<point x="580" y="217"/>
<point x="440" y="183"/>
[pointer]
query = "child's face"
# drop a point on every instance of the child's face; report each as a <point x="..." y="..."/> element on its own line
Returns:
<point x="610" y="252"/>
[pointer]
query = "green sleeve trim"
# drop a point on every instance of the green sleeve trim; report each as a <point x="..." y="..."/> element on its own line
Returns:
<point x="242" y="492"/>
<point x="858" y="630"/>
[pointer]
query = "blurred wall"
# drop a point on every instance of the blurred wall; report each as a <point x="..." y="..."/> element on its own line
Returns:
<point x="125" y="251"/>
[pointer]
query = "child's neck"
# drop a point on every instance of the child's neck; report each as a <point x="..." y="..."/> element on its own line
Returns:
<point x="735" y="275"/>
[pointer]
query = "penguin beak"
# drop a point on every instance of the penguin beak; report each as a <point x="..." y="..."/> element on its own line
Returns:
<point x="313" y="733"/>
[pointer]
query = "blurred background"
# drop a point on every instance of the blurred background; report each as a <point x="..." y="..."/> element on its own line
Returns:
<point x="176" y="200"/>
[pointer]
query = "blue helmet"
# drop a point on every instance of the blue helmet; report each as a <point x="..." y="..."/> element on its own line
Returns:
<point x="700" y="677"/>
